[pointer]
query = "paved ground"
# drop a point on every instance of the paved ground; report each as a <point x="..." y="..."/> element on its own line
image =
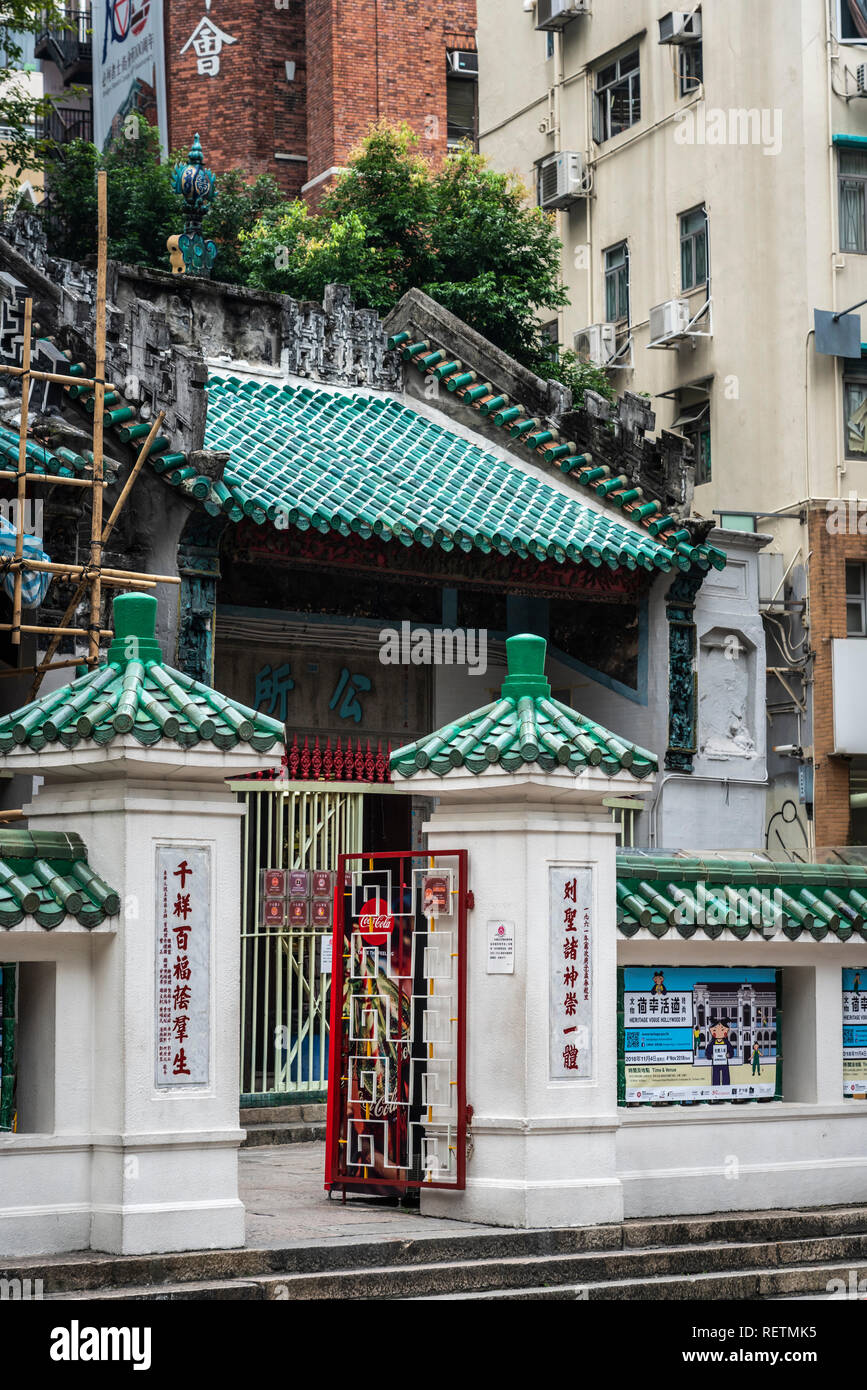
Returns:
<point x="281" y="1188"/>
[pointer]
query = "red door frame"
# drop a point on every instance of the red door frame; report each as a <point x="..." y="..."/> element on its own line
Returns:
<point x="334" y="1179"/>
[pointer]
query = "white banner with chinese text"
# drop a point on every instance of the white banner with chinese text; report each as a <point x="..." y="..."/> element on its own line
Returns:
<point x="570" y="908"/>
<point x="129" y="69"/>
<point x="183" y="965"/>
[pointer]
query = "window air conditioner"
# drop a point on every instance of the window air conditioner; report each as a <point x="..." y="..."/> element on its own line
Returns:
<point x="680" y="26"/>
<point x="463" y="63"/>
<point x="597" y="344"/>
<point x="668" y="321"/>
<point x="556" y="14"/>
<point x="861" y="79"/>
<point x="561" y="180"/>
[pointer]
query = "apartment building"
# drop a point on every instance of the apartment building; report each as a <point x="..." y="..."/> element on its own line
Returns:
<point x="708" y="171"/>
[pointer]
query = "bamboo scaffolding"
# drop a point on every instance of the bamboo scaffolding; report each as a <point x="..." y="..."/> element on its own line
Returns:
<point x="31" y="670"/>
<point x="51" y="478"/>
<point x="54" y="376"/>
<point x="91" y="576"/>
<point x="98" y="409"/>
<point x="22" y="470"/>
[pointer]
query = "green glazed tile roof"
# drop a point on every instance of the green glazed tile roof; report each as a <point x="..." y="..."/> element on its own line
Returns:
<point x="309" y="458"/>
<point x="752" y="896"/>
<point x="44" y="874"/>
<point x="530" y="433"/>
<point x="524" y="726"/>
<point x="135" y="693"/>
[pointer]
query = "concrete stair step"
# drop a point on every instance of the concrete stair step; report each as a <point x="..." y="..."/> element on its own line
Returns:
<point x="268" y="1115"/>
<point x="637" y="1250"/>
<point x="297" y="1133"/>
<point x="736" y="1270"/>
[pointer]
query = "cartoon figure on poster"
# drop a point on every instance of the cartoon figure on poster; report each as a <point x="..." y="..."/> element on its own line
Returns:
<point x="719" y="1052"/>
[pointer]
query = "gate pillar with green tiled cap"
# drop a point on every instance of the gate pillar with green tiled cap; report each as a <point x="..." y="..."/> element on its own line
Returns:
<point x="522" y="784"/>
<point x="144" y="937"/>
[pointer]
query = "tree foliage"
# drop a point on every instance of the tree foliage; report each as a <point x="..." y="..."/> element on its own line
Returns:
<point x="22" y="115"/>
<point x="463" y="233"/>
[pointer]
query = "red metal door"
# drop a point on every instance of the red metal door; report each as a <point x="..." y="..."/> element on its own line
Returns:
<point x="397" y="1108"/>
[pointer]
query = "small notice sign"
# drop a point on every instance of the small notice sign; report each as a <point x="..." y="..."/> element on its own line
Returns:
<point x="327" y="949"/>
<point x="501" y="947"/>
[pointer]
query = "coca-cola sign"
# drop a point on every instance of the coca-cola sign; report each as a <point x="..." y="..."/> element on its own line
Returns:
<point x="374" y="921"/>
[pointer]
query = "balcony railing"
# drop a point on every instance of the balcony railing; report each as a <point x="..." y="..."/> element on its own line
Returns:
<point x="66" y="123"/>
<point x="66" y="42"/>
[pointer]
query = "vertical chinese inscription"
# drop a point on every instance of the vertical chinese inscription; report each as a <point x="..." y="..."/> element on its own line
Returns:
<point x="183" y="956"/>
<point x="570" y="907"/>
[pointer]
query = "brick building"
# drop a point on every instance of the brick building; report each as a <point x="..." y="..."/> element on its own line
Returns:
<point x="289" y="87"/>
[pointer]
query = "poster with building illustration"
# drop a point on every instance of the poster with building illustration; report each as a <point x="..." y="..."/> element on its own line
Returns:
<point x="699" y="1034"/>
<point x="128" y="68"/>
<point x="855" y="1033"/>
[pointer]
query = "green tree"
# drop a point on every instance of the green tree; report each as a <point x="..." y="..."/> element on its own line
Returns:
<point x="238" y="206"/>
<point x="463" y="233"/>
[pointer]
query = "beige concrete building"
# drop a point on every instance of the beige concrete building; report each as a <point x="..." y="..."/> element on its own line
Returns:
<point x="712" y="194"/>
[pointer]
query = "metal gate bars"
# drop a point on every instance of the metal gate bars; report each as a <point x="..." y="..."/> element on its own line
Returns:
<point x="397" y="1109"/>
<point x="284" y="989"/>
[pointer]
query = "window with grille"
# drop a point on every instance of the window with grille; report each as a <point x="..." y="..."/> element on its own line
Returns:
<point x="617" y="97"/>
<point x="617" y="282"/>
<point x="856" y="600"/>
<point x="852" y="178"/>
<point x="693" y="249"/>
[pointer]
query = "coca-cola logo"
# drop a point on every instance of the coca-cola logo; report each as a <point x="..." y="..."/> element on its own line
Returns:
<point x="374" y="921"/>
<point x="383" y="1110"/>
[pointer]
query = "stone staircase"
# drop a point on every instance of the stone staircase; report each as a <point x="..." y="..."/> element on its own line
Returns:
<point x="746" y="1256"/>
<point x="283" y="1124"/>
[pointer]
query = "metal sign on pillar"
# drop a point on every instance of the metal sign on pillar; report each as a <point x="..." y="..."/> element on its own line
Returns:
<point x="397" y="1111"/>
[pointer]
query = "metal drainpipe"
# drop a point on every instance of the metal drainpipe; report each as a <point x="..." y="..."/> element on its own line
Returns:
<point x="562" y="216"/>
<point x="692" y="777"/>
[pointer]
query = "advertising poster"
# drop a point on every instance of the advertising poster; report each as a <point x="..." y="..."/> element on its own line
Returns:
<point x="699" y="1034"/>
<point x="854" y="1034"/>
<point x="128" y="67"/>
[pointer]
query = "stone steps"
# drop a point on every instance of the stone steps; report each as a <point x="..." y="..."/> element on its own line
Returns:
<point x="283" y="1124"/>
<point x="748" y="1256"/>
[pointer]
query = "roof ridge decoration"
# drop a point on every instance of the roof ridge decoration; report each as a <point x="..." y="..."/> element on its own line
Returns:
<point x="136" y="694"/>
<point x="669" y="892"/>
<point x="532" y="433"/>
<point x="524" y="727"/>
<point x="44" y="874"/>
<point x="283" y="439"/>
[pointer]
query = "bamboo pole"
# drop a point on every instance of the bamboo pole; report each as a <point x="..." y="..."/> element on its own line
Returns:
<point x="52" y="478"/>
<point x="11" y="815"/>
<point x="134" y="472"/>
<point x="32" y="670"/>
<point x="84" y="571"/>
<point x="64" y="631"/>
<point x="22" y="469"/>
<point x="98" y="408"/>
<point x="56" y="376"/>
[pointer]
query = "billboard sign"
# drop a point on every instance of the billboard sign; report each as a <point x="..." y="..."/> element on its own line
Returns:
<point x="854" y="1033"/>
<point x="128" y="68"/>
<point x="693" y="1034"/>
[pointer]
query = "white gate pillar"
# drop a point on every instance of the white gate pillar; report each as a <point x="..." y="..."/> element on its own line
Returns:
<point x="521" y="787"/>
<point x="135" y="758"/>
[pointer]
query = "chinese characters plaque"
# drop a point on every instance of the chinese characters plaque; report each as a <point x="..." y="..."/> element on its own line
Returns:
<point x="570" y="897"/>
<point x="183" y="956"/>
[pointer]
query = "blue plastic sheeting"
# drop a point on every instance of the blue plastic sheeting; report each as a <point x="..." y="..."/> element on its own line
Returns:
<point x="34" y="585"/>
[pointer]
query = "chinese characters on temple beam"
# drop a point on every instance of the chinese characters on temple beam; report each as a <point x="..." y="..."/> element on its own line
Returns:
<point x="570" y="906"/>
<point x="183" y="960"/>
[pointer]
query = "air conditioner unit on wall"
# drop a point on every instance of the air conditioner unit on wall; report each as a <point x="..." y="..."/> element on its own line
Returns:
<point x="462" y="63"/>
<point x="561" y="180"/>
<point x="861" y="79"/>
<point x="669" y="321"/>
<point x="597" y="344"/>
<point x="680" y="26"/>
<point x="556" y="14"/>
